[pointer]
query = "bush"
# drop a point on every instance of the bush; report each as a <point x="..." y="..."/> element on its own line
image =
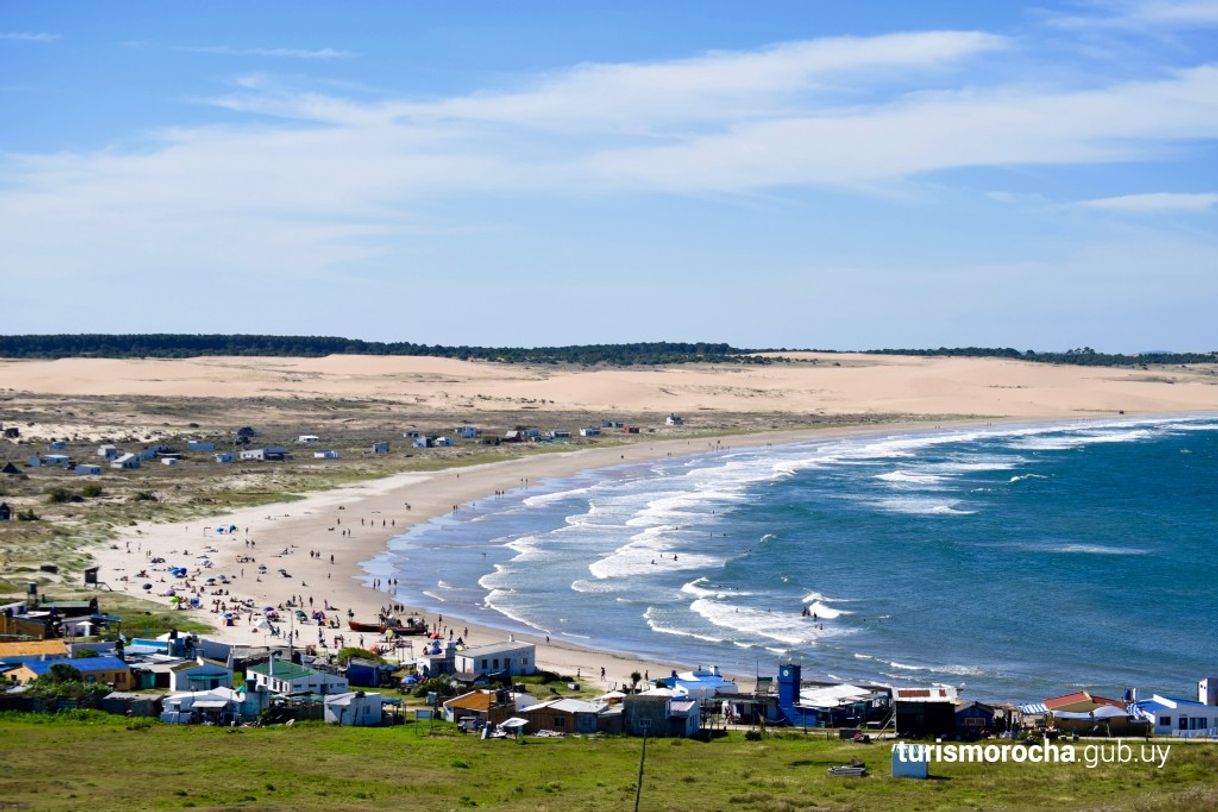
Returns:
<point x="345" y="655"/>
<point x="58" y="496"/>
<point x="27" y="515"/>
<point x="91" y="491"/>
<point x="145" y="496"/>
<point x="84" y="653"/>
<point x="752" y="735"/>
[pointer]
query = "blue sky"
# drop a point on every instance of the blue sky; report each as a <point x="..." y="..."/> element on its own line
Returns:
<point x="811" y="174"/>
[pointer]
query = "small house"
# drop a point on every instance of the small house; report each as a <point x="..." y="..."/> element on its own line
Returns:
<point x="224" y="457"/>
<point x="6" y="512"/>
<point x="170" y="460"/>
<point x="148" y="453"/>
<point x="107" y="670"/>
<point x="509" y="658"/>
<point x="12" y="433"/>
<point x="11" y="470"/>
<point x="924" y="713"/>
<point x="246" y="432"/>
<point x="355" y="708"/>
<point x="199" y="675"/>
<point x="410" y="435"/>
<point x="421" y="441"/>
<point x="88" y="469"/>
<point x="271" y="454"/>
<point x="442" y="442"/>
<point x="659" y="715"/>
<point x="108" y="452"/>
<point x="126" y="461"/>
<point x="367" y="673"/>
<point x="674" y="419"/>
<point x="975" y="719"/>
<point x="1081" y="702"/>
<point x="381" y="447"/>
<point x="328" y="454"/>
<point x="285" y="677"/>
<point x="200" y="445"/>
<point x="558" y="434"/>
<point x="1178" y="717"/>
<point x="563" y="716"/>
<point x="589" y="431"/>
<point x="307" y="439"/>
<point x="467" y="432"/>
<point x="56" y="445"/>
<point x="612" y="424"/>
<point x="35" y="461"/>
<point x="630" y="429"/>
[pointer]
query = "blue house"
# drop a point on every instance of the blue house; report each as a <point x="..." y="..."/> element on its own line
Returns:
<point x="367" y="673"/>
<point x="200" y="445"/>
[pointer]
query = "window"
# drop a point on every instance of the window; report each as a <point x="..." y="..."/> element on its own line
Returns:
<point x="484" y="664"/>
<point x="1164" y="721"/>
<point x="496" y="662"/>
<point x="559" y="721"/>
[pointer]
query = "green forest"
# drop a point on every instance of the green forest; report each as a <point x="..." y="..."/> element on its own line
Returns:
<point x="170" y="345"/>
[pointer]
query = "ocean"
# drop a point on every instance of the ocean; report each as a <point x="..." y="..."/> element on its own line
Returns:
<point x="1017" y="561"/>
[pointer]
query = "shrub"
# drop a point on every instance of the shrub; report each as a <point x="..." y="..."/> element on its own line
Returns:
<point x="27" y="515"/>
<point x="145" y="496"/>
<point x="59" y="496"/>
<point x="91" y="491"/>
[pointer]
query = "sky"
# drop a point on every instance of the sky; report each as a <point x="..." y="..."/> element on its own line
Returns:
<point x="840" y="175"/>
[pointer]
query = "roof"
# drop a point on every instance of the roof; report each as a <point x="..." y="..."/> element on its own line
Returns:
<point x="575" y="706"/>
<point x="349" y="697"/>
<point x="474" y="700"/>
<point x="1033" y="708"/>
<point x="834" y="696"/>
<point x="81" y="664"/>
<point x="492" y="649"/>
<point x="938" y="693"/>
<point x="283" y="669"/>
<point x="52" y="647"/>
<point x="1081" y="696"/>
<point x="186" y="665"/>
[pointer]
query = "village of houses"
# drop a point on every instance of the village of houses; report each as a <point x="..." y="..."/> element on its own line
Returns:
<point x="497" y="691"/>
<point x="492" y="691"/>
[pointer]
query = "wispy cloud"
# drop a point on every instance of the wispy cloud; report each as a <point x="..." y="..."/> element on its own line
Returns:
<point x="284" y="53"/>
<point x="314" y="180"/>
<point x="29" y="36"/>
<point x="1142" y="14"/>
<point x="1154" y="203"/>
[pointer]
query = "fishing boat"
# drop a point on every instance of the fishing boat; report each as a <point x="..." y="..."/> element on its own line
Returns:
<point x="412" y="625"/>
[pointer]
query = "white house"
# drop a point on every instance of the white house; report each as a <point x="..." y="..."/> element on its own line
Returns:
<point x="224" y="456"/>
<point x="286" y="677"/>
<point x="307" y="439"/>
<point x="1178" y="717"/>
<point x="328" y="454"/>
<point x="170" y="460"/>
<point x="265" y="454"/>
<point x="442" y="442"/>
<point x="589" y="432"/>
<point x="199" y="675"/>
<point x="127" y="461"/>
<point x="87" y="469"/>
<point x="675" y="419"/>
<point x="108" y="452"/>
<point x="355" y="708"/>
<point x="421" y="441"/>
<point x="498" y="658"/>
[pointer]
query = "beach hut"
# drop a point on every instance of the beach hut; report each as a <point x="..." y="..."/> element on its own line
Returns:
<point x="380" y="447"/>
<point x="108" y="452"/>
<point x="589" y="431"/>
<point x="87" y="469"/>
<point x="307" y="439"/>
<point x="224" y="457"/>
<point x="328" y="454"/>
<point x="674" y="419"/>
<point x="200" y="445"/>
<point x="355" y="708"/>
<point x="924" y="713"/>
<point x="126" y="461"/>
<point x="56" y="445"/>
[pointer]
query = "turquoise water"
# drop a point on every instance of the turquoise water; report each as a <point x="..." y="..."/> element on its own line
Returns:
<point x="1017" y="561"/>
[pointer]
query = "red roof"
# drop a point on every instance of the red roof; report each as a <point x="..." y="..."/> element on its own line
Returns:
<point x="1081" y="696"/>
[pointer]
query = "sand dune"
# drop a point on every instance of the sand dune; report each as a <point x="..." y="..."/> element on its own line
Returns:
<point x="832" y="384"/>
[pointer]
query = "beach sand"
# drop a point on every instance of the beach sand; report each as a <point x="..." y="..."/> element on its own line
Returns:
<point x="437" y="387"/>
<point x="316" y="522"/>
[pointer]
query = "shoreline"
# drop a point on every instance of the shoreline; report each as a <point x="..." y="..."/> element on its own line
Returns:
<point x="282" y="535"/>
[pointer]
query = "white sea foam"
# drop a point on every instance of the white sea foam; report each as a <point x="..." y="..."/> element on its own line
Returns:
<point x="434" y="596"/>
<point x="954" y="670"/>
<point x="494" y="601"/>
<point x="922" y="506"/>
<point x="784" y="627"/>
<point x="596" y="587"/>
<point x="663" y="629"/>
<point x="699" y="589"/>
<point x="1022" y="477"/>
<point x="557" y="496"/>
<point x="1098" y="549"/>
<point x="910" y="478"/>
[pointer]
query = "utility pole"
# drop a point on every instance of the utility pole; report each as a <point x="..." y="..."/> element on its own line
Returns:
<point x="638" y="789"/>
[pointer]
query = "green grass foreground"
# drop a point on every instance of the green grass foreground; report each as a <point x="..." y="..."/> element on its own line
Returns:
<point x="96" y="762"/>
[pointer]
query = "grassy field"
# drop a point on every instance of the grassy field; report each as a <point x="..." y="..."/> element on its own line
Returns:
<point x="98" y="762"/>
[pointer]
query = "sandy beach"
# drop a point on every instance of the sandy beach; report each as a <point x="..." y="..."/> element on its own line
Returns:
<point x="354" y="523"/>
<point x="283" y="535"/>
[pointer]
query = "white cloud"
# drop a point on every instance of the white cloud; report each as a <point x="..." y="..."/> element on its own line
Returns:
<point x="29" y="36"/>
<point x="1154" y="203"/>
<point x="328" y="181"/>
<point x="1143" y="14"/>
<point x="288" y="53"/>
